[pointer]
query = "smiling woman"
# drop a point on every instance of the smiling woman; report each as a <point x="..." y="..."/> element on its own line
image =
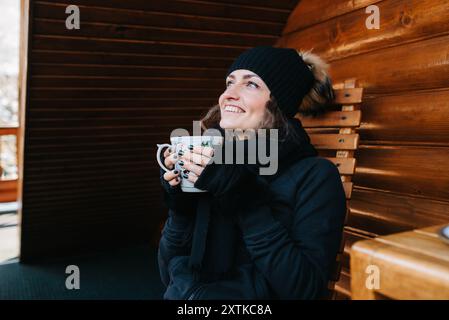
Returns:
<point x="243" y="103"/>
<point x="254" y="236"/>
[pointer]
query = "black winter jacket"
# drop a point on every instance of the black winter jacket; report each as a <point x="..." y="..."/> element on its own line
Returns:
<point x="283" y="248"/>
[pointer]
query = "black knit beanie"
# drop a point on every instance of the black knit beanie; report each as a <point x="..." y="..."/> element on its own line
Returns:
<point x="284" y="72"/>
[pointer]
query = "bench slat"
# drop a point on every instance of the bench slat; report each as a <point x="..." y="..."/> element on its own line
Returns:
<point x="335" y="141"/>
<point x="347" y="186"/>
<point x="333" y="119"/>
<point x="346" y="166"/>
<point x="348" y="96"/>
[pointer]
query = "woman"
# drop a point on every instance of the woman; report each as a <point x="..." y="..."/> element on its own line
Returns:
<point x="253" y="236"/>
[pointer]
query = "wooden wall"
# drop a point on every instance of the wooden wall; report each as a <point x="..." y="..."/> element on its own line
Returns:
<point x="98" y="99"/>
<point x="402" y="177"/>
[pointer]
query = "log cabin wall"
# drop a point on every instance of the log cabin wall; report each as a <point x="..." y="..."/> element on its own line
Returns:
<point x="101" y="97"/>
<point x="402" y="175"/>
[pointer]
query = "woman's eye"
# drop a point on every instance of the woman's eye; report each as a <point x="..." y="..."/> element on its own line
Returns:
<point x="249" y="83"/>
<point x="255" y="85"/>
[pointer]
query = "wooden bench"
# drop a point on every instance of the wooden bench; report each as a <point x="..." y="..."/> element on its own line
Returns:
<point x="410" y="265"/>
<point x="334" y="134"/>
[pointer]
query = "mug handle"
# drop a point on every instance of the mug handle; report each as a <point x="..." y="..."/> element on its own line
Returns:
<point x="158" y="155"/>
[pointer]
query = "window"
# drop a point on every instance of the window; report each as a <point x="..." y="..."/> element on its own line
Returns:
<point x="9" y="69"/>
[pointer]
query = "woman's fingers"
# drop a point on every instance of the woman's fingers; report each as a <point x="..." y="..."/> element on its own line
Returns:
<point x="189" y="175"/>
<point x="170" y="160"/>
<point x="167" y="152"/>
<point x="192" y="161"/>
<point x="192" y="178"/>
<point x="172" y="177"/>
<point x="199" y="159"/>
<point x="191" y="167"/>
<point x="206" y="151"/>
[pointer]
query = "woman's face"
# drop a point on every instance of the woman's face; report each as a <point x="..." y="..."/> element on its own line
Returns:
<point x="242" y="104"/>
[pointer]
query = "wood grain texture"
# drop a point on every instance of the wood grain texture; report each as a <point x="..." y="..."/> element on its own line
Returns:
<point x="346" y="166"/>
<point x="101" y="97"/>
<point x="132" y="33"/>
<point x="222" y="20"/>
<point x="333" y="119"/>
<point x="309" y="13"/>
<point x="411" y="117"/>
<point x="402" y="174"/>
<point x="385" y="212"/>
<point x="335" y="141"/>
<point x="412" y="265"/>
<point x="409" y="67"/>
<point x="402" y="21"/>
<point x="394" y="168"/>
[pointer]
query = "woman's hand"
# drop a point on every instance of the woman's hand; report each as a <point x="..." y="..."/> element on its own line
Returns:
<point x="182" y="203"/>
<point x="172" y="177"/>
<point x="194" y="160"/>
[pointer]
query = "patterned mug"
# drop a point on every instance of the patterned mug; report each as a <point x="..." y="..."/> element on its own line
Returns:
<point x="182" y="143"/>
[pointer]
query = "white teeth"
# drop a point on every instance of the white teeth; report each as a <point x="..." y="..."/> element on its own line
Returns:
<point x="233" y="109"/>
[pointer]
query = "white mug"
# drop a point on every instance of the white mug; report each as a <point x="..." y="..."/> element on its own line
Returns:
<point x="182" y="143"/>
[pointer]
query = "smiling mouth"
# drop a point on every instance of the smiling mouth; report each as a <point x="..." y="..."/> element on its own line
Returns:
<point x="233" y="109"/>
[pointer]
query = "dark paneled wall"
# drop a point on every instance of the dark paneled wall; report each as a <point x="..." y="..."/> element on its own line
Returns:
<point x="101" y="97"/>
<point x="402" y="176"/>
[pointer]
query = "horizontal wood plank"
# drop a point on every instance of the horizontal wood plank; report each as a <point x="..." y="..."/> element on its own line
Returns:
<point x="424" y="65"/>
<point x="161" y="19"/>
<point x="346" y="166"/>
<point x="335" y="141"/>
<point x="348" y="95"/>
<point x="407" y="270"/>
<point x="386" y="213"/>
<point x="41" y="69"/>
<point x="139" y="33"/>
<point x="410" y="117"/>
<point x="122" y="82"/>
<point x="123" y="46"/>
<point x="63" y="56"/>
<point x="179" y="122"/>
<point x="87" y="94"/>
<point x="333" y="119"/>
<point x="309" y="13"/>
<point x="416" y="171"/>
<point x="402" y="21"/>
<point x="275" y="4"/>
<point x="211" y="9"/>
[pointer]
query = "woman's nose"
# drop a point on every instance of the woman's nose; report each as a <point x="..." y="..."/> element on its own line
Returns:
<point x="231" y="92"/>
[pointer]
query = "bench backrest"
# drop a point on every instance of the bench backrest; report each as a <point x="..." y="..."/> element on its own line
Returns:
<point x="335" y="136"/>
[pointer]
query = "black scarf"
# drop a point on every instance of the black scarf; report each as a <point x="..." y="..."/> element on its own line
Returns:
<point x="231" y="184"/>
